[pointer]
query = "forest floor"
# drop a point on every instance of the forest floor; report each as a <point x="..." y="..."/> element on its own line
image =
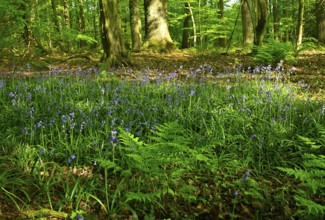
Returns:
<point x="307" y="71"/>
<point x="308" y="68"/>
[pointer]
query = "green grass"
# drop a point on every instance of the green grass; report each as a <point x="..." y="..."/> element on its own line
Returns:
<point x="161" y="146"/>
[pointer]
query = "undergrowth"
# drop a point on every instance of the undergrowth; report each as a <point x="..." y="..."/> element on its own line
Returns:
<point x="203" y="145"/>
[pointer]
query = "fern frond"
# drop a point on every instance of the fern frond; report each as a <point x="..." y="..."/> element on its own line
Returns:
<point x="129" y="140"/>
<point x="312" y="207"/>
<point x="298" y="174"/>
<point x="140" y="197"/>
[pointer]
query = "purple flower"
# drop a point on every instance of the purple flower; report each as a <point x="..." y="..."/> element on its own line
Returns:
<point x="236" y="193"/>
<point x="64" y="118"/>
<point x="71" y="158"/>
<point x="71" y="115"/>
<point x="192" y="93"/>
<point x="11" y="94"/>
<point x="79" y="217"/>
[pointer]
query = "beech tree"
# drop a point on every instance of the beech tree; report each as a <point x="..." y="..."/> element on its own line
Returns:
<point x="136" y="26"/>
<point x="158" y="37"/>
<point x="261" y="20"/>
<point x="112" y="38"/>
<point x="300" y="23"/>
<point x="320" y="14"/>
<point x="247" y="22"/>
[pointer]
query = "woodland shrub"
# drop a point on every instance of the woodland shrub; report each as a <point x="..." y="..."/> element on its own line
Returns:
<point x="273" y="52"/>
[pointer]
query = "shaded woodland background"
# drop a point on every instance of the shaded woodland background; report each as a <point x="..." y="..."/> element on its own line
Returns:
<point x="34" y="28"/>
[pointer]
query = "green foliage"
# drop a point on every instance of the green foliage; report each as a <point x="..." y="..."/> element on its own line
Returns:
<point x="273" y="52"/>
<point x="312" y="176"/>
<point x="155" y="147"/>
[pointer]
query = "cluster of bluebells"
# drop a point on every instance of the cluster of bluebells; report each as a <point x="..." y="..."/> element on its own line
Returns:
<point x="104" y="106"/>
<point x="71" y="159"/>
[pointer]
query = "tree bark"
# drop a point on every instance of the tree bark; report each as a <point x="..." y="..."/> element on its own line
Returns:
<point x="262" y="14"/>
<point x="300" y="24"/>
<point x="66" y="14"/>
<point x="112" y="38"/>
<point x="158" y="39"/>
<point x="55" y="16"/>
<point x="186" y="26"/>
<point x="247" y="23"/>
<point x="136" y="27"/>
<point x="320" y="15"/>
<point x="82" y="25"/>
<point x="276" y="19"/>
<point x="221" y="6"/>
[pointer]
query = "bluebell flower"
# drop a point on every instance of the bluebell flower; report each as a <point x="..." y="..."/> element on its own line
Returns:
<point x="71" y="115"/>
<point x="192" y="93"/>
<point x="64" y="118"/>
<point x="236" y="193"/>
<point x="1" y="84"/>
<point x="71" y="158"/>
<point x="11" y="94"/>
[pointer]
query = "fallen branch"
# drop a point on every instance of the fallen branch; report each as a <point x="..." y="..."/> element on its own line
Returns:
<point x="31" y="214"/>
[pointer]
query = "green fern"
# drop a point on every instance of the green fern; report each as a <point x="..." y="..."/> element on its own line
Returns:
<point x="312" y="177"/>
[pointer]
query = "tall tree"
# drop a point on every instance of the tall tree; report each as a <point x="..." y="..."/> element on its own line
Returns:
<point x="276" y="19"/>
<point x="221" y="6"/>
<point x="112" y="38"/>
<point x="81" y="21"/>
<point x="66" y="14"/>
<point x="261" y="20"/>
<point x="136" y="27"/>
<point x="247" y="23"/>
<point x="158" y="37"/>
<point x="300" y="23"/>
<point x="320" y="13"/>
<point x="186" y="26"/>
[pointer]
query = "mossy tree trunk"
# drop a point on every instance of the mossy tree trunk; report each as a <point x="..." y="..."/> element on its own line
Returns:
<point x="300" y="23"/>
<point x="82" y="25"/>
<point x="247" y="23"/>
<point x="276" y="19"/>
<point x="222" y="40"/>
<point x="112" y="38"/>
<point x="186" y="26"/>
<point x="158" y="38"/>
<point x="320" y="8"/>
<point x="261" y="20"/>
<point x="136" y="26"/>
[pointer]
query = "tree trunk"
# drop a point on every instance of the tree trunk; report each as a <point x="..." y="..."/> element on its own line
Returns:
<point x="221" y="6"/>
<point x="158" y="34"/>
<point x="276" y="19"/>
<point x="186" y="26"/>
<point x="55" y="16"/>
<point x="112" y="38"/>
<point x="146" y="23"/>
<point x="247" y="23"/>
<point x="66" y="14"/>
<point x="200" y="23"/>
<point x="82" y="43"/>
<point x="262" y="14"/>
<point x="135" y="20"/>
<point x="27" y="35"/>
<point x="320" y="20"/>
<point x="300" y="24"/>
<point x="286" y="12"/>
